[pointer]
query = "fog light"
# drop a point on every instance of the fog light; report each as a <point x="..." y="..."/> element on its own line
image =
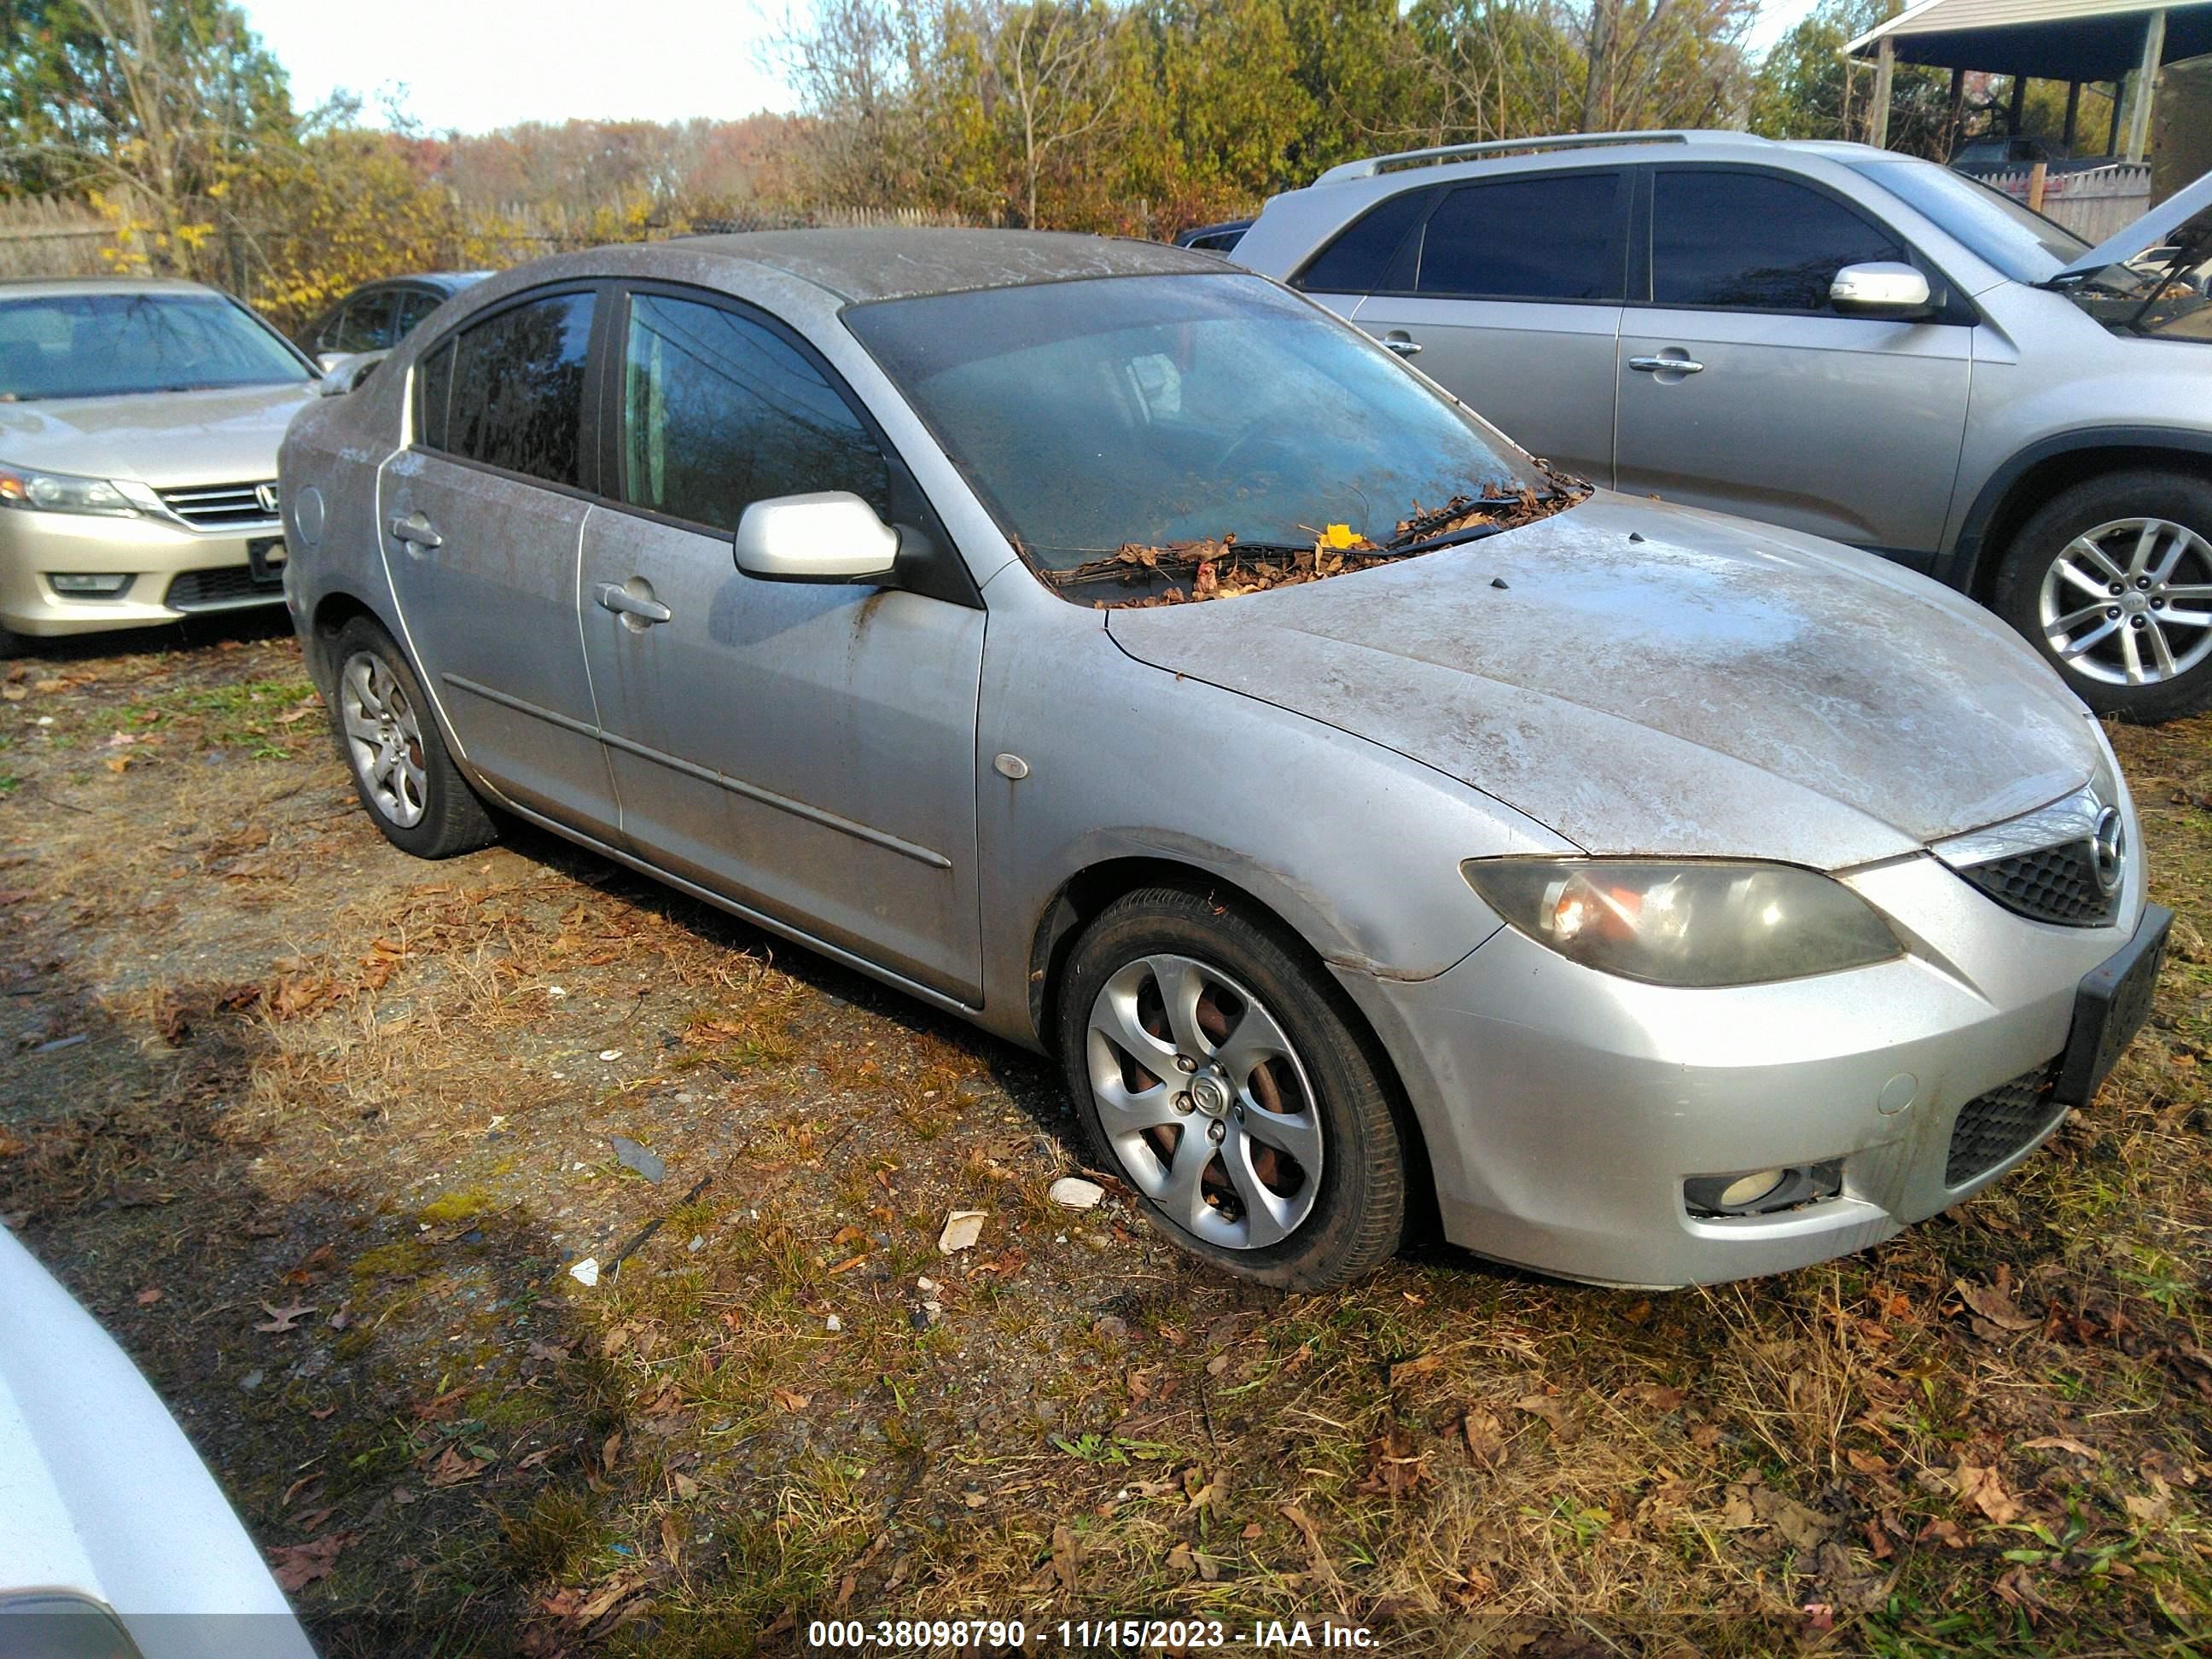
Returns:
<point x="88" y="586"/>
<point x="1763" y="1192"/>
<point x="1747" y="1190"/>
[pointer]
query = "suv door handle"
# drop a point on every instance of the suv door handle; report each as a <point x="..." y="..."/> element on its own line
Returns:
<point x="1666" y="365"/>
<point x="415" y="532"/>
<point x="1402" y="342"/>
<point x="622" y="602"/>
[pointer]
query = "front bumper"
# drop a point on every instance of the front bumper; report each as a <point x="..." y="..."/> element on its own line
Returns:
<point x="173" y="572"/>
<point x="1563" y="1109"/>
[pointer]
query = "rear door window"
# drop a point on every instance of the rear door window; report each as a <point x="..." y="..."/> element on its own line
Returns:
<point x="1545" y="236"/>
<point x="414" y="306"/>
<point x="1751" y="241"/>
<point x="719" y="411"/>
<point x="509" y="390"/>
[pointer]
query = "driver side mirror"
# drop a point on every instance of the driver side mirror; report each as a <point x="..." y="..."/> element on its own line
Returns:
<point x="1882" y="289"/>
<point x="832" y="537"/>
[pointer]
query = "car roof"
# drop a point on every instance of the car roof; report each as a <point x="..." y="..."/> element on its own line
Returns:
<point x="859" y="265"/>
<point x="41" y="287"/>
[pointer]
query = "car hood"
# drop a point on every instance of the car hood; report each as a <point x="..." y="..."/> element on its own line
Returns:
<point x="1649" y="679"/>
<point x="2184" y="217"/>
<point x="163" y="438"/>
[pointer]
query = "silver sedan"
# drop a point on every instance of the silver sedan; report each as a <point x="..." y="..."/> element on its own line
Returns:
<point x="1119" y="650"/>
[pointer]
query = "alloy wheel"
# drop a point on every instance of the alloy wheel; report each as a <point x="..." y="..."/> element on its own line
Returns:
<point x="1204" y="1102"/>
<point x="384" y="738"/>
<point x="2130" y="602"/>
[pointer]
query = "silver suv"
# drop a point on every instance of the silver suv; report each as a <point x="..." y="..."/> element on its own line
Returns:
<point x="1827" y="337"/>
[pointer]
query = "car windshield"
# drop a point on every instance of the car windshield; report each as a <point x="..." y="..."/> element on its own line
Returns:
<point x="111" y="345"/>
<point x="2025" y="245"/>
<point x="1156" y="412"/>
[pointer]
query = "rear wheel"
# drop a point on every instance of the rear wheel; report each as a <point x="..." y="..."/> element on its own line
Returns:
<point x="2112" y="581"/>
<point x="1216" y="1072"/>
<point x="401" y="770"/>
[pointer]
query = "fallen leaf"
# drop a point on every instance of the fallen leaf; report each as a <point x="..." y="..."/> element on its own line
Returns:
<point x="1065" y="1558"/>
<point x="2058" y="1442"/>
<point x="1484" y="1434"/>
<point x="1994" y="1305"/>
<point x="1304" y="1523"/>
<point x="790" y="1401"/>
<point x="611" y="1450"/>
<point x="283" y="1319"/>
<point x="1982" y="1488"/>
<point x="295" y="1566"/>
<point x="148" y="1298"/>
<point x="1179" y="1561"/>
<point x="1543" y="1405"/>
<point x="452" y="1468"/>
<point x="1406" y="1370"/>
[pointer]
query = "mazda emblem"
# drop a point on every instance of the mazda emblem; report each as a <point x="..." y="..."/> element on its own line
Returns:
<point x="265" y="494"/>
<point x="2110" y="847"/>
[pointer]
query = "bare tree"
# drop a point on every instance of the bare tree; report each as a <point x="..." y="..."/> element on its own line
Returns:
<point x="1055" y="61"/>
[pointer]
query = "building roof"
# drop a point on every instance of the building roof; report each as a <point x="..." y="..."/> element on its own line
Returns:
<point x="2046" y="40"/>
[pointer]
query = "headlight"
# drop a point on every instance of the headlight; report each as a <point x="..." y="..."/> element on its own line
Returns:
<point x="1699" y="923"/>
<point x="57" y="492"/>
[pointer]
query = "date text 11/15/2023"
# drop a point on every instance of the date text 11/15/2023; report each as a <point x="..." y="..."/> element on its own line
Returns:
<point x="1088" y="1635"/>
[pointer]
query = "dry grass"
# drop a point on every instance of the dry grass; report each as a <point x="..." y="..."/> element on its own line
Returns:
<point x="315" y="1072"/>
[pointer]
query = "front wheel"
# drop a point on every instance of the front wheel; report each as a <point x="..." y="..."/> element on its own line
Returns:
<point x="2112" y="579"/>
<point x="401" y="769"/>
<point x="1216" y="1072"/>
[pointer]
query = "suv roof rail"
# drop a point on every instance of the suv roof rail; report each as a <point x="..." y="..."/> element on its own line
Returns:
<point x="1374" y="164"/>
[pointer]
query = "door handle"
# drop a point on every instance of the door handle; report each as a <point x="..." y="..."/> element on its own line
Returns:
<point x="1666" y="365"/>
<point x="1403" y="343"/>
<point x="414" y="531"/>
<point x="623" y="603"/>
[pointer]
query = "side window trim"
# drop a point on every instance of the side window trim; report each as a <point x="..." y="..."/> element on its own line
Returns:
<point x="1958" y="310"/>
<point x="588" y="437"/>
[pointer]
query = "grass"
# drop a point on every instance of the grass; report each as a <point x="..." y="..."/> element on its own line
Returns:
<point x="317" y="1073"/>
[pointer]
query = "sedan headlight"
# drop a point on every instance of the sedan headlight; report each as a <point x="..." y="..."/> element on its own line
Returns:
<point x="57" y="492"/>
<point x="1692" y="924"/>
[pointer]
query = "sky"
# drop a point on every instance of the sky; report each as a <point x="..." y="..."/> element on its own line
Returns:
<point x="472" y="65"/>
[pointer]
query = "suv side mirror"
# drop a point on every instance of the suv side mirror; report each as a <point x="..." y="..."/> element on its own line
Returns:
<point x="833" y="536"/>
<point x="344" y="370"/>
<point x="1882" y="289"/>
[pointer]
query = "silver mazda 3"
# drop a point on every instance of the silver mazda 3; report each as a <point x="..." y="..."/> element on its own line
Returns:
<point x="1121" y="652"/>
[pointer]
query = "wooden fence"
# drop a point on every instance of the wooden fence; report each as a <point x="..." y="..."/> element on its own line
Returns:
<point x="2091" y="202"/>
<point x="41" y="236"/>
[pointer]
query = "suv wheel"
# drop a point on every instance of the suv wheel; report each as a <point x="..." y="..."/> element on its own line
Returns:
<point x="401" y="770"/>
<point x="1216" y="1074"/>
<point x="2113" y="580"/>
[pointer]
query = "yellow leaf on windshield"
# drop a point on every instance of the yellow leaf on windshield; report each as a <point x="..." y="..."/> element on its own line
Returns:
<point x="1338" y="535"/>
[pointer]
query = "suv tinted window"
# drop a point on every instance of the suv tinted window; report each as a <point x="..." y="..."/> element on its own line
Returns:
<point x="1358" y="261"/>
<point x="509" y="391"/>
<point x="719" y="412"/>
<point x="1753" y="242"/>
<point x="1548" y="237"/>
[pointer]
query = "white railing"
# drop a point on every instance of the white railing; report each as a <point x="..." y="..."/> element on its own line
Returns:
<point x="2092" y="202"/>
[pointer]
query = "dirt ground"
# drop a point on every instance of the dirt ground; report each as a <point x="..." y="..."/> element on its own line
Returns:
<point x="319" y="1132"/>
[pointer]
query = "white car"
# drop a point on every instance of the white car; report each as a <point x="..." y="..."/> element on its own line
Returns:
<point x="115" y="1542"/>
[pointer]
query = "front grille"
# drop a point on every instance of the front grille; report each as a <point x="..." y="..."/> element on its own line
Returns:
<point x="1992" y="1126"/>
<point x="218" y="507"/>
<point x="219" y="590"/>
<point x="2050" y="883"/>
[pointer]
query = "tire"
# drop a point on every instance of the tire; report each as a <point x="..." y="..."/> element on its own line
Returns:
<point x="390" y="741"/>
<point x="1253" y="1207"/>
<point x="2094" y="534"/>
